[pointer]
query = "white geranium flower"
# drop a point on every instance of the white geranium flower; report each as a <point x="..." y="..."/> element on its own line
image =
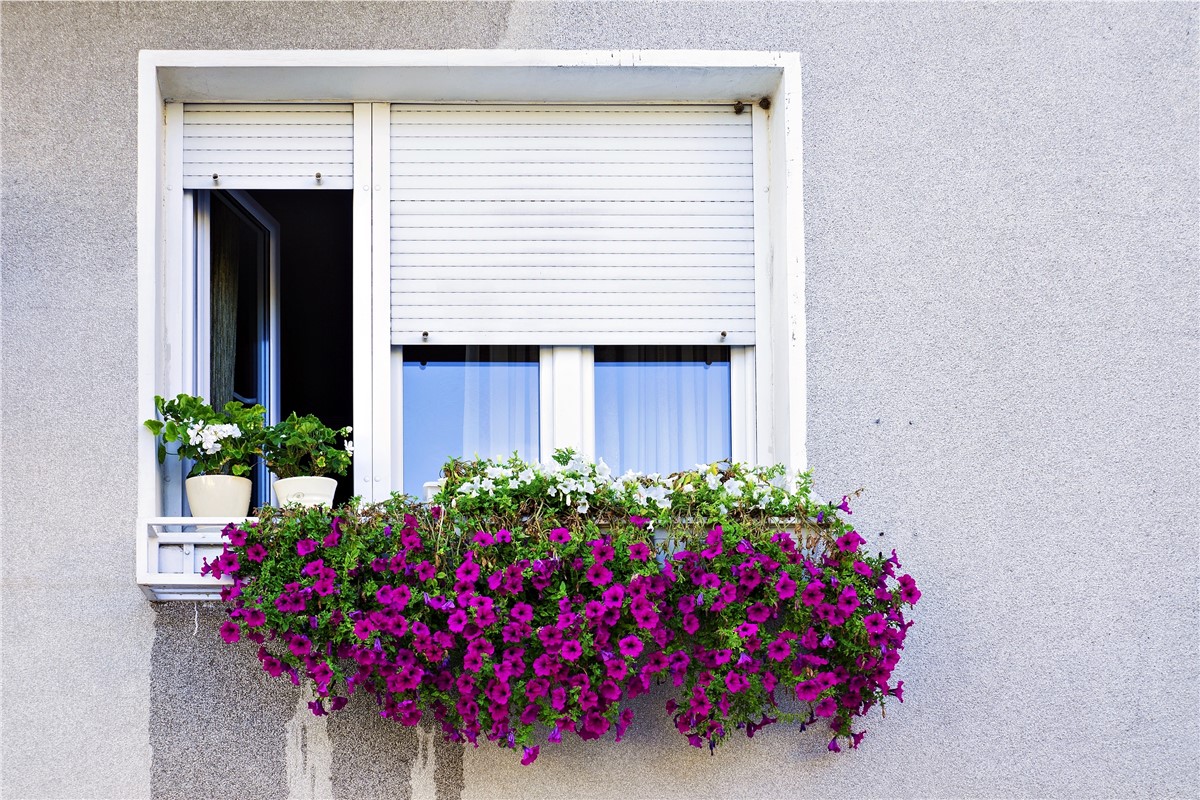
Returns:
<point x="350" y="447"/>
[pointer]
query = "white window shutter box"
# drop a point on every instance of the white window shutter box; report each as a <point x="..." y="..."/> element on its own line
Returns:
<point x="268" y="146"/>
<point x="572" y="225"/>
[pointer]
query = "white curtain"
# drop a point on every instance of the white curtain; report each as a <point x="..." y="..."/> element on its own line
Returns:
<point x="467" y="401"/>
<point x="661" y="409"/>
<point x="500" y="405"/>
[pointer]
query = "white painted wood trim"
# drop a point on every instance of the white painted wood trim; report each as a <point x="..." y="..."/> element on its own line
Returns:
<point x="384" y="424"/>
<point x="572" y="400"/>
<point x="561" y="76"/>
<point x="178" y="278"/>
<point x="360" y="306"/>
<point x="743" y="428"/>
<point x="789" y="367"/>
<point x="201" y="254"/>
<point x="545" y="403"/>
<point x="396" y="407"/>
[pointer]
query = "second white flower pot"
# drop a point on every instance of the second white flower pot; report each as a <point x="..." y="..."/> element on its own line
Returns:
<point x="305" y="491"/>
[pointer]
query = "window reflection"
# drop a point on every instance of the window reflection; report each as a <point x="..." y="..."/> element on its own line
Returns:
<point x="466" y="401"/>
<point x="662" y="408"/>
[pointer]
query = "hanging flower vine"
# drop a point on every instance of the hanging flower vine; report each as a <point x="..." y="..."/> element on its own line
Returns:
<point x="531" y="601"/>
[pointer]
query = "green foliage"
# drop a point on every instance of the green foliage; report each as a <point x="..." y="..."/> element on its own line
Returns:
<point x="224" y="441"/>
<point x="305" y="446"/>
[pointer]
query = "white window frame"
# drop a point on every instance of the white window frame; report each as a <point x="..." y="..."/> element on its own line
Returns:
<point x="769" y="384"/>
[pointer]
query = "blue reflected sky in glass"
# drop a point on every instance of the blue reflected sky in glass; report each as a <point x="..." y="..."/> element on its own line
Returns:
<point x="662" y="409"/>
<point x="463" y="401"/>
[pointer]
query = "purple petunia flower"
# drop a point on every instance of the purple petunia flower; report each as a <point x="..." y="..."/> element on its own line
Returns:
<point x="827" y="707"/>
<point x="785" y="586"/>
<point x="235" y="535"/>
<point x="845" y="505"/>
<point x="230" y="631"/>
<point x="630" y="646"/>
<point x="599" y="575"/>
<point x="560" y="536"/>
<point x="335" y="533"/>
<point x="256" y="553"/>
<point x="746" y="630"/>
<point x="779" y="650"/>
<point x="305" y="546"/>
<point x="531" y="754"/>
<point x="833" y="744"/>
<point x="638" y="522"/>
<point x="467" y="571"/>
<point x="874" y="623"/>
<point x="639" y="551"/>
<point x="850" y="542"/>
<point x="571" y="650"/>
<point x="736" y="682"/>
<point x="813" y="593"/>
<point x="758" y="613"/>
<point x="848" y="600"/>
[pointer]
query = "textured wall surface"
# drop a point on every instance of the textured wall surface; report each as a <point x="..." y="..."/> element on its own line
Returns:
<point x="1003" y="285"/>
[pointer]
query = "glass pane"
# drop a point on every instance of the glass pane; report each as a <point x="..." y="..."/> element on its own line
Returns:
<point x="662" y="408"/>
<point x="467" y="401"/>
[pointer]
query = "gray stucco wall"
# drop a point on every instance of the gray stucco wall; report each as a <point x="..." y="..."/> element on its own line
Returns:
<point x="1002" y="288"/>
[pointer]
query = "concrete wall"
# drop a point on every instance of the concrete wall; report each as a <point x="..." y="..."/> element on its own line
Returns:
<point x="1003" y="284"/>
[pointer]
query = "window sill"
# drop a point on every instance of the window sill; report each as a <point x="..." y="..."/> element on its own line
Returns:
<point x="171" y="552"/>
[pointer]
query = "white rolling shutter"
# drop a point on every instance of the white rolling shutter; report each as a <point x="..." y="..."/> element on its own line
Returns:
<point x="268" y="146"/>
<point x="568" y="225"/>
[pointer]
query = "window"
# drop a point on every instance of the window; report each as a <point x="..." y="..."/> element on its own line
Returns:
<point x="587" y="255"/>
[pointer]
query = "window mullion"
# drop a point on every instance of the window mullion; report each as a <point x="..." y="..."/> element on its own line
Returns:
<point x="360" y="318"/>
<point x="568" y="400"/>
<point x="743" y="430"/>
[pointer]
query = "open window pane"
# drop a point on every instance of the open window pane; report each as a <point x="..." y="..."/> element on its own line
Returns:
<point x="463" y="401"/>
<point x="662" y="408"/>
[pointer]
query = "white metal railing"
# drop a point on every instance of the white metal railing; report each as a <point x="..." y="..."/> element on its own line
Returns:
<point x="171" y="552"/>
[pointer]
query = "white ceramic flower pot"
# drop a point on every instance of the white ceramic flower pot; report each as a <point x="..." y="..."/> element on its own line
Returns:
<point x="219" y="495"/>
<point x="305" y="491"/>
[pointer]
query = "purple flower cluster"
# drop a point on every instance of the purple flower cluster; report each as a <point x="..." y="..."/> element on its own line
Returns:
<point x="522" y="631"/>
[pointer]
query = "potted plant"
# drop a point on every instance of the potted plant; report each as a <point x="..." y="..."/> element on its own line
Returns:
<point x="301" y="451"/>
<point x="222" y="445"/>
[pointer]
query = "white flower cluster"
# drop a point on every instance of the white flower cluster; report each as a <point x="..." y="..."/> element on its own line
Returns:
<point x="578" y="481"/>
<point x="209" y="437"/>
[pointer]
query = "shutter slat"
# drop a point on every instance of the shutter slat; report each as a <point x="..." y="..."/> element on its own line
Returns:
<point x="622" y="225"/>
<point x="647" y="115"/>
<point x="598" y="259"/>
<point x="572" y="225"/>
<point x="452" y="170"/>
<point x="649" y="208"/>
<point x="606" y="246"/>
<point x="731" y="276"/>
<point x="406" y="187"/>
<point x="261" y="146"/>
<point x="580" y="286"/>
